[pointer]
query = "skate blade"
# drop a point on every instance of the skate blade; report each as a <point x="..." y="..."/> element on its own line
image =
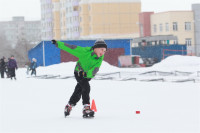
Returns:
<point x="66" y="114"/>
<point x="91" y="115"/>
<point x="88" y="117"/>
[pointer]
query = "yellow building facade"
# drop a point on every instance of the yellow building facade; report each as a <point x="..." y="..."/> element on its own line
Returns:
<point x="177" y="23"/>
<point x="95" y="18"/>
<point x="111" y="17"/>
<point x="56" y="19"/>
<point x="62" y="21"/>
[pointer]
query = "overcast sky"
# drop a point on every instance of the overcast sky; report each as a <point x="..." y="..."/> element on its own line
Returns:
<point x="31" y="8"/>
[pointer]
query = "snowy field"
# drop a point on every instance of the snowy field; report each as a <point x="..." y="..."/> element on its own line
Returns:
<point x="36" y="105"/>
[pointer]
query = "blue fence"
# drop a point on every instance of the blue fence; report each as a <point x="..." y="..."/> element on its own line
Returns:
<point x="52" y="54"/>
<point x="157" y="51"/>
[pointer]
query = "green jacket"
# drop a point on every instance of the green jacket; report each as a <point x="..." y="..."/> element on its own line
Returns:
<point x="88" y="60"/>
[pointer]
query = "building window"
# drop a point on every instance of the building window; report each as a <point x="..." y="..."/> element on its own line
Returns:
<point x="161" y="28"/>
<point x="188" y="41"/>
<point x="175" y="26"/>
<point x="166" y="26"/>
<point x="66" y="10"/>
<point x="75" y="8"/>
<point x="70" y="19"/>
<point x="90" y="29"/>
<point x="154" y="28"/>
<point x="188" y="26"/>
<point x="80" y="29"/>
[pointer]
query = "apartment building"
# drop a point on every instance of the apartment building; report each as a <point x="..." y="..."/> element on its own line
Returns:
<point x="46" y="19"/>
<point x="73" y="19"/>
<point x="177" y="23"/>
<point x="56" y="19"/>
<point x="69" y="19"/>
<point x="196" y="10"/>
<point x="18" y="28"/>
<point x="108" y="18"/>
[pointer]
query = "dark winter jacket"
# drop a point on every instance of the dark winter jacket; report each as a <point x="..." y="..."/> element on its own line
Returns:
<point x="33" y="65"/>
<point x="12" y="63"/>
<point x="2" y="64"/>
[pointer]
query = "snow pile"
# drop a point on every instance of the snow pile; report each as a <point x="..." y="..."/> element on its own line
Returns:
<point x="172" y="63"/>
<point x="58" y="69"/>
<point x="107" y="68"/>
<point x="178" y="62"/>
<point x="68" y="69"/>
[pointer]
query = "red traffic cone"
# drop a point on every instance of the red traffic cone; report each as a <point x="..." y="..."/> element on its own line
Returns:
<point x="93" y="106"/>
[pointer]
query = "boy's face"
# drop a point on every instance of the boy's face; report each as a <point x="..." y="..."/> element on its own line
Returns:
<point x="100" y="51"/>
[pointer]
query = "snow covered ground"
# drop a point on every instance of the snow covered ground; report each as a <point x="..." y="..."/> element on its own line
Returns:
<point x="32" y="105"/>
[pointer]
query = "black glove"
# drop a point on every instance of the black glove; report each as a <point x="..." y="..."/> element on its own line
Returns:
<point x="82" y="74"/>
<point x="54" y="42"/>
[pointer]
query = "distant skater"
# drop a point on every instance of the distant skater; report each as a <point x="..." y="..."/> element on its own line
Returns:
<point x="33" y="66"/>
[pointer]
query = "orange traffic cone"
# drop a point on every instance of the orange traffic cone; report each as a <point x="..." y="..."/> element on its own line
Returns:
<point x="93" y="106"/>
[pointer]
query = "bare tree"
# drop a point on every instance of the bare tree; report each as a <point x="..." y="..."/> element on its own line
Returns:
<point x="5" y="46"/>
<point x="21" y="51"/>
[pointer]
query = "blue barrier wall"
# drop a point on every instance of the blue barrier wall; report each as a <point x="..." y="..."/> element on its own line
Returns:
<point x="52" y="54"/>
<point x="115" y="43"/>
<point x="157" y="51"/>
<point x="37" y="52"/>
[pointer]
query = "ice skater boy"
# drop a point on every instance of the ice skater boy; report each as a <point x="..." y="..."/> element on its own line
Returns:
<point x="90" y="59"/>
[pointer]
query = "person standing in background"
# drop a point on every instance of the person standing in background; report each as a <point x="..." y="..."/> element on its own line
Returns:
<point x="33" y="66"/>
<point x="2" y="66"/>
<point x="12" y="65"/>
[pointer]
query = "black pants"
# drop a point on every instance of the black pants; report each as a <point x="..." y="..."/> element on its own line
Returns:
<point x="33" y="72"/>
<point x="12" y="72"/>
<point x="82" y="89"/>
<point x="2" y="72"/>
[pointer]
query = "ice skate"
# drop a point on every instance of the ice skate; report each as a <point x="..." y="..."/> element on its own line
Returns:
<point x="68" y="109"/>
<point x="87" y="112"/>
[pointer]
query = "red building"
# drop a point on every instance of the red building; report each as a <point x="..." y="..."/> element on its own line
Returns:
<point x="145" y="24"/>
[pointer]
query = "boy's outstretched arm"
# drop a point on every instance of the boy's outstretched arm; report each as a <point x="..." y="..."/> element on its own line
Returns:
<point x="72" y="49"/>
